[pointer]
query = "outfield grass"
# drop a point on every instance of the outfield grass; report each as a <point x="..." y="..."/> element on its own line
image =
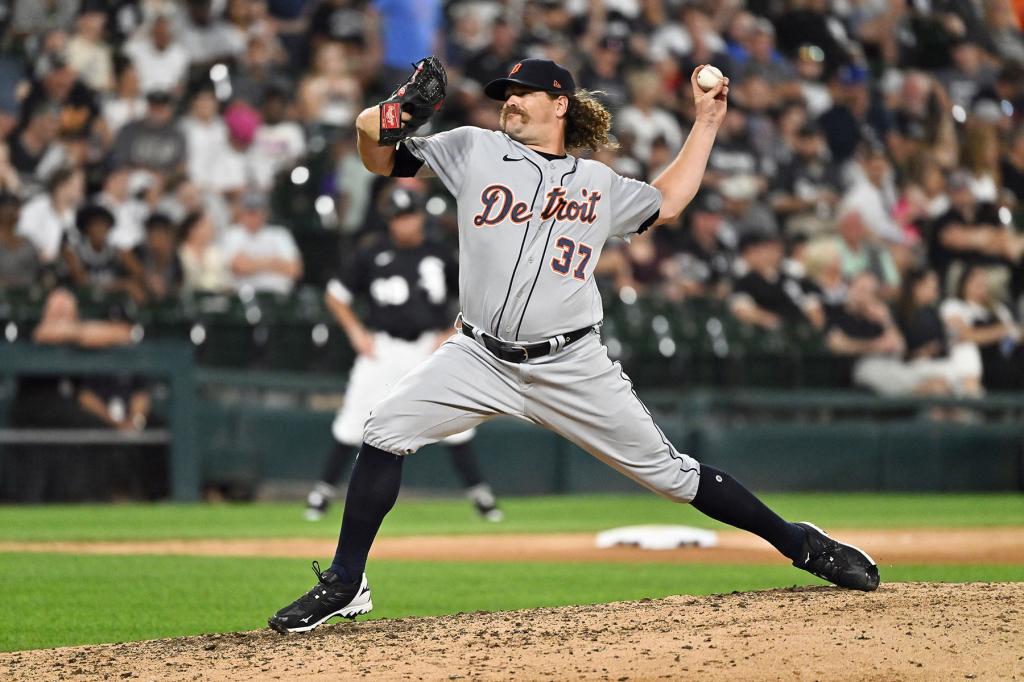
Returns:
<point x="59" y="600"/>
<point x="582" y="513"/>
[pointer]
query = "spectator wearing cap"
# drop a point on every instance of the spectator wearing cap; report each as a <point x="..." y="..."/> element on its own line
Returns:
<point x="810" y="70"/>
<point x="206" y="138"/>
<point x="603" y="73"/>
<point x="873" y="195"/>
<point x="91" y="260"/>
<point x="262" y="257"/>
<point x="745" y="213"/>
<point x="59" y="86"/>
<point x="161" y="62"/>
<point x="202" y="260"/>
<point x="644" y="119"/>
<point x="158" y="267"/>
<point x="34" y="151"/>
<point x="704" y="260"/>
<point x="46" y="218"/>
<point x="154" y="143"/>
<point x="279" y="142"/>
<point x="233" y="169"/>
<point x="88" y="53"/>
<point x="763" y="295"/>
<point x="126" y="103"/>
<point x="762" y="58"/>
<point x="495" y="60"/>
<point x="859" y="253"/>
<point x="806" y="189"/>
<point x="19" y="261"/>
<point x="843" y="123"/>
<point x="971" y="233"/>
<point x="734" y="152"/>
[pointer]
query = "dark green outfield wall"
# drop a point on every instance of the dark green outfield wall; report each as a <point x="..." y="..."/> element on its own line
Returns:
<point x="264" y="444"/>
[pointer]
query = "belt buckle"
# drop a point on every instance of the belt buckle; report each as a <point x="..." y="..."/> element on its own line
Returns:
<point x="526" y="353"/>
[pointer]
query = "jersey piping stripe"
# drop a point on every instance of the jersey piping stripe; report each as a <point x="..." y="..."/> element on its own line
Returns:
<point x="542" y="259"/>
<point x="671" y="450"/>
<point x="526" y="230"/>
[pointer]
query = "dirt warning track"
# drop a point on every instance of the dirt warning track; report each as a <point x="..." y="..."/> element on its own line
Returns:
<point x="920" y="546"/>
<point x="908" y="631"/>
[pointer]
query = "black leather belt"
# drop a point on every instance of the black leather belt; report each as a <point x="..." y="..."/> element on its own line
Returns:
<point x="521" y="352"/>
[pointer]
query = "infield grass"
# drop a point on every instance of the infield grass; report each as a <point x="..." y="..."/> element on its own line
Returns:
<point x="564" y="514"/>
<point x="61" y="600"/>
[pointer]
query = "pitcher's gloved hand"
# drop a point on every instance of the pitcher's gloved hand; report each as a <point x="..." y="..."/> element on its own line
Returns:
<point x="420" y="97"/>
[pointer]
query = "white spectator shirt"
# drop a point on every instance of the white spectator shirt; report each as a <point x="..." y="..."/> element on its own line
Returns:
<point x="118" y="112"/>
<point x="269" y="242"/>
<point x="41" y="224"/>
<point x="129" y="219"/>
<point x="206" y="142"/>
<point x="875" y="207"/>
<point x="971" y="313"/>
<point x="158" y="70"/>
<point x="274" y="148"/>
<point x="647" y="127"/>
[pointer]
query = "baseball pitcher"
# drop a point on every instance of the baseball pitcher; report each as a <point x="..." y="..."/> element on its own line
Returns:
<point x="533" y="220"/>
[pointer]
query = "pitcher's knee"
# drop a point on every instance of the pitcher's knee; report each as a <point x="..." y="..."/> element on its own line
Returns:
<point x="384" y="430"/>
<point x="678" y="484"/>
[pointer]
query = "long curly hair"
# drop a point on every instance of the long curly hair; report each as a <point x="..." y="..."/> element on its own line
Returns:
<point x="588" y="124"/>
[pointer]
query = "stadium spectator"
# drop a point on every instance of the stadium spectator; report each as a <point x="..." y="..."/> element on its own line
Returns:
<point x="703" y="263"/>
<point x="330" y="96"/>
<point x="19" y="262"/>
<point x="971" y="233"/>
<point x="873" y="195"/>
<point x="859" y="253"/>
<point x="206" y="138"/>
<point x="644" y="119"/>
<point x="10" y="182"/>
<point x="202" y="261"/>
<point x="129" y="211"/>
<point x="603" y="73"/>
<point x="58" y="86"/>
<point x="158" y="267"/>
<point x="262" y="257"/>
<point x="91" y="260"/>
<point x="968" y="74"/>
<point x="88" y="52"/>
<point x="763" y="295"/>
<point x="205" y="36"/>
<point x="154" y="143"/>
<point x="745" y="213"/>
<point x="49" y="217"/>
<point x="126" y="103"/>
<point x="278" y="142"/>
<point x="160" y="62"/>
<point x="982" y="324"/>
<point x="863" y="329"/>
<point x="34" y="151"/>
<point x="927" y="339"/>
<point x="807" y="187"/>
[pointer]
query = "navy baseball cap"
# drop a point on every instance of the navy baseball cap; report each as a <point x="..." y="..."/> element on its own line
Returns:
<point x="536" y="74"/>
<point x="402" y="201"/>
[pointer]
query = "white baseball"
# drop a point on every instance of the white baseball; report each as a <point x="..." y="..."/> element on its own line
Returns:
<point x="708" y="77"/>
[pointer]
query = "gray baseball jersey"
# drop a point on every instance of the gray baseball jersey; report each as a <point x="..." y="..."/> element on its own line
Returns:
<point x="531" y="230"/>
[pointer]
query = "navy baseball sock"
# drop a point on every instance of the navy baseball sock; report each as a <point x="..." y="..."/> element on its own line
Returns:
<point x="337" y="461"/>
<point x="724" y="499"/>
<point x="372" y="491"/>
<point x="466" y="465"/>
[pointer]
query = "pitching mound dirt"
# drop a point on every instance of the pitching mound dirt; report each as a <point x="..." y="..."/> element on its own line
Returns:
<point x="902" y="631"/>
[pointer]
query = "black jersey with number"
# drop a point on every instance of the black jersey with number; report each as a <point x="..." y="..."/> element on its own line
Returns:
<point x="406" y="289"/>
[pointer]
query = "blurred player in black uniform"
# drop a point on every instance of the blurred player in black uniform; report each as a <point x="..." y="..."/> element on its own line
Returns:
<point x="406" y="280"/>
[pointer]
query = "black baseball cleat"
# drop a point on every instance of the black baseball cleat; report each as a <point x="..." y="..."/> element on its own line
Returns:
<point x="328" y="598"/>
<point x="839" y="563"/>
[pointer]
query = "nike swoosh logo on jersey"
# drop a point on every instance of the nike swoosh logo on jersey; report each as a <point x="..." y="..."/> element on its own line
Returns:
<point x="508" y="158"/>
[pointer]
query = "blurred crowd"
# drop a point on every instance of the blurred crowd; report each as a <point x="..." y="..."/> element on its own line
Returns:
<point x="867" y="181"/>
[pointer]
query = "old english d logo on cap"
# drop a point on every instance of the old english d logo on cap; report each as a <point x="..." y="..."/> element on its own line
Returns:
<point x="515" y="68"/>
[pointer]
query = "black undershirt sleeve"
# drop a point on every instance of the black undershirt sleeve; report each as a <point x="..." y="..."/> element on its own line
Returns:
<point x="406" y="164"/>
<point x="650" y="221"/>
